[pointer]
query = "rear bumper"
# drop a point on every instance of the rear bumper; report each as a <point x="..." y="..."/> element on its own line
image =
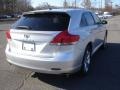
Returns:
<point x="65" y="63"/>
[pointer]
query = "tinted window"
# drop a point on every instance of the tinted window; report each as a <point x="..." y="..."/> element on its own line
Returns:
<point x="43" y="22"/>
<point x="89" y="18"/>
<point x="83" y="21"/>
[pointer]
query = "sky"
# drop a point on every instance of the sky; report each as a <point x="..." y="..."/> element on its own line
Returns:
<point x="60" y="2"/>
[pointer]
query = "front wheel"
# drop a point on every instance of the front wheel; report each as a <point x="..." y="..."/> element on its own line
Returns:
<point x="86" y="61"/>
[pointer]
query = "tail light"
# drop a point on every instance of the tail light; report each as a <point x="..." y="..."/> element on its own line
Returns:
<point x="65" y="38"/>
<point x="8" y="36"/>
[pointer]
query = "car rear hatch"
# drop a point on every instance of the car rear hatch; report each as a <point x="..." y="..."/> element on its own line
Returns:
<point x="32" y="33"/>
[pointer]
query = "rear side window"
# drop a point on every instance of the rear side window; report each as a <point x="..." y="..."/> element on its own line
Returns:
<point x="43" y="22"/>
<point x="83" y="22"/>
<point x="89" y="18"/>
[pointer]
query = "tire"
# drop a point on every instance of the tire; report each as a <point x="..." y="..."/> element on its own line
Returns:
<point x="86" y="61"/>
<point x="104" y="42"/>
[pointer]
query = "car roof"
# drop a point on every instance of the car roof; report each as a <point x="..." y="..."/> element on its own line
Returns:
<point x="63" y="10"/>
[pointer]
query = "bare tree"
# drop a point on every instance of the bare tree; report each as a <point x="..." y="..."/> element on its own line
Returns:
<point x="65" y="4"/>
<point x="14" y="6"/>
<point x="86" y="4"/>
<point x="45" y="5"/>
<point x="23" y="5"/>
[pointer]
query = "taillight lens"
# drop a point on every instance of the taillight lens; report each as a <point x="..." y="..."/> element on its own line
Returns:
<point x="64" y="38"/>
<point x="8" y="36"/>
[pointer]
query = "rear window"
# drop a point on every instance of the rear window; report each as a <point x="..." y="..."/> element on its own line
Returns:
<point x="43" y="22"/>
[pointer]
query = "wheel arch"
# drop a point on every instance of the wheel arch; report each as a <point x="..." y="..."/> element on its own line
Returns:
<point x="90" y="45"/>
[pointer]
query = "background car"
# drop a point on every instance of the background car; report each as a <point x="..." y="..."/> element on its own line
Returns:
<point x="4" y="16"/>
<point x="107" y="15"/>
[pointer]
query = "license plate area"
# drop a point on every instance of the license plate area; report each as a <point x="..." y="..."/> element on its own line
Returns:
<point x="28" y="46"/>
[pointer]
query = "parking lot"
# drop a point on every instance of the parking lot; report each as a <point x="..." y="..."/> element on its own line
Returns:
<point x="104" y="72"/>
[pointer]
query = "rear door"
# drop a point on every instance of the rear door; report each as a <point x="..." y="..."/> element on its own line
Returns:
<point x="92" y="28"/>
<point x="101" y="28"/>
<point x="32" y="34"/>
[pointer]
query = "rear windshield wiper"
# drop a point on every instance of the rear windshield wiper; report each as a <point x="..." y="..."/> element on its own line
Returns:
<point x="23" y="27"/>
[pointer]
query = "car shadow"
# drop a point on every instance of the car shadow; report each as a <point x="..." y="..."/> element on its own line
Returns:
<point x="104" y="73"/>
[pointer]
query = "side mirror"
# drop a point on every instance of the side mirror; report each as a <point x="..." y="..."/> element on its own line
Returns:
<point x="104" y="22"/>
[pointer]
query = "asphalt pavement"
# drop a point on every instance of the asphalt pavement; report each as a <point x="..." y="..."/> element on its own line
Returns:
<point x="6" y="25"/>
<point x="104" y="71"/>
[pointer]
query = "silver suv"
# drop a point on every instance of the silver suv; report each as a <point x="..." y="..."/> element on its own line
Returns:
<point x="57" y="41"/>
